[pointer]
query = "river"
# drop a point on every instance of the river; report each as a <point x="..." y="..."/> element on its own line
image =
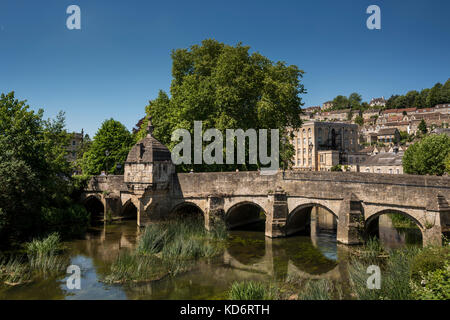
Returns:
<point x="248" y="255"/>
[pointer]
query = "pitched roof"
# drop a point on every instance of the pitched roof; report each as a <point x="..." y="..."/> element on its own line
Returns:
<point x="385" y="131"/>
<point x="149" y="149"/>
<point x="384" y="159"/>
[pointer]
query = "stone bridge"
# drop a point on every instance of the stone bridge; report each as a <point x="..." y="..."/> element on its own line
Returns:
<point x="286" y="198"/>
<point x="150" y="189"/>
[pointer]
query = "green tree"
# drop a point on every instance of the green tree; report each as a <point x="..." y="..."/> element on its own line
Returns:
<point x="434" y="96"/>
<point x="427" y="156"/>
<point x="340" y="102"/>
<point x="109" y="148"/>
<point x="35" y="175"/>
<point x="390" y="103"/>
<point x="423" y="127"/>
<point x="355" y="100"/>
<point x="226" y="87"/>
<point x="359" y="120"/>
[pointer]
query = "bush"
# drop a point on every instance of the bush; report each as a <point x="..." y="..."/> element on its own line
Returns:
<point x="337" y="167"/>
<point x="428" y="260"/>
<point x="251" y="290"/>
<point x="435" y="285"/>
<point x="427" y="156"/>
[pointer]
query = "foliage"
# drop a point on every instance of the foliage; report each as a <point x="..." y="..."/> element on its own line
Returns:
<point x="336" y="167"/>
<point x="434" y="285"/>
<point x="34" y="170"/>
<point x="428" y="260"/>
<point x="401" y="221"/>
<point x="47" y="246"/>
<point x="427" y="156"/>
<point x="166" y="248"/>
<point x="251" y="290"/>
<point x="359" y="120"/>
<point x="427" y="98"/>
<point x="109" y="148"/>
<point x="226" y="87"/>
<point x="42" y="259"/>
<point x="422" y="127"/>
<point x="317" y="290"/>
<point x="395" y="276"/>
<point x="447" y="164"/>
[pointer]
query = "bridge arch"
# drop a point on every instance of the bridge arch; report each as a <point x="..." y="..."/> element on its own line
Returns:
<point x="372" y="226"/>
<point x="129" y="210"/>
<point x="186" y="209"/>
<point x="95" y="206"/>
<point x="243" y="213"/>
<point x="299" y="219"/>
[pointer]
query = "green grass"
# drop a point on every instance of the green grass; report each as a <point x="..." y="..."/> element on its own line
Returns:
<point x="317" y="290"/>
<point x="50" y="245"/>
<point x="42" y="259"/>
<point x="14" y="271"/>
<point x="167" y="248"/>
<point x="252" y="290"/>
<point x="395" y="276"/>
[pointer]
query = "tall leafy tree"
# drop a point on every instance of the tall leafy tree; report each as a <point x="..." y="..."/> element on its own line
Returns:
<point x="427" y="156"/>
<point x="422" y="127"/>
<point x="109" y="148"/>
<point x="227" y="87"/>
<point x="340" y="102"/>
<point x="434" y="97"/>
<point x="355" y="100"/>
<point x="35" y="175"/>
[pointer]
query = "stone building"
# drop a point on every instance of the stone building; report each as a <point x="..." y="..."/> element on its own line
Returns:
<point x="327" y="105"/>
<point x="378" y="102"/>
<point x="321" y="145"/>
<point x="388" y="136"/>
<point x="76" y="140"/>
<point x="383" y="162"/>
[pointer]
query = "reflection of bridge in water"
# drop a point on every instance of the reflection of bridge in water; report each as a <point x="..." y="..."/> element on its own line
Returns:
<point x="297" y="257"/>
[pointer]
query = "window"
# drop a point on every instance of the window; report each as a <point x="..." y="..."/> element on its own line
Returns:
<point x="304" y="150"/>
<point x="74" y="142"/>
<point x="350" y="160"/>
<point x="309" y="132"/>
<point x="321" y="158"/>
<point x="398" y="171"/>
<point x="390" y="171"/>
<point x="309" y="161"/>
<point x="299" y="141"/>
<point x="304" y="141"/>
<point x="367" y="169"/>
<point x="378" y="170"/>
<point x="304" y="161"/>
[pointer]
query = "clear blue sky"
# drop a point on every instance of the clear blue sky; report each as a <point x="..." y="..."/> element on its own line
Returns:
<point x="121" y="56"/>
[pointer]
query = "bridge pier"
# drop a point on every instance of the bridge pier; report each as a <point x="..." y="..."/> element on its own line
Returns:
<point x="113" y="207"/>
<point x="214" y="212"/>
<point x="277" y="214"/>
<point x="350" y="221"/>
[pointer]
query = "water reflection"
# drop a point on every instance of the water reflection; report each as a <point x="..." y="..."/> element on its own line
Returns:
<point x="248" y="255"/>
